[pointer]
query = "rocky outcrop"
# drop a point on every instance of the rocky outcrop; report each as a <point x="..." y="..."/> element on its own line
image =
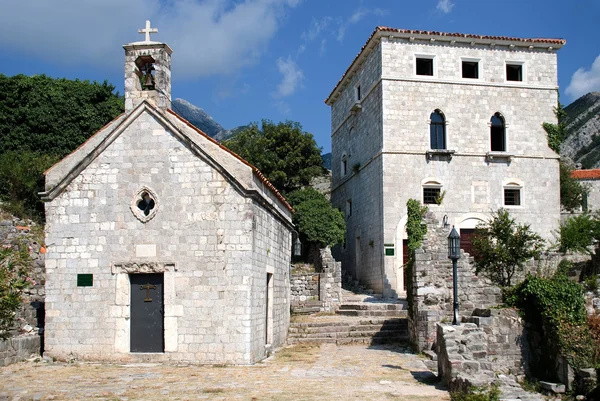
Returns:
<point x="583" y="131"/>
<point x="201" y="119"/>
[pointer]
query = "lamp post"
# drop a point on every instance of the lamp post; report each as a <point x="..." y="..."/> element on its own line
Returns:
<point x="297" y="247"/>
<point x="454" y="254"/>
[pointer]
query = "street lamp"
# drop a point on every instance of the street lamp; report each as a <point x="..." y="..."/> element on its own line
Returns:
<point x="297" y="247"/>
<point x="454" y="254"/>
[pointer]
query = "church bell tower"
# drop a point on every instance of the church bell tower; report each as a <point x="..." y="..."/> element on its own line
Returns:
<point x="147" y="72"/>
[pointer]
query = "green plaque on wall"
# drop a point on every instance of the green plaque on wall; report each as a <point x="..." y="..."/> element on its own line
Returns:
<point x="85" y="280"/>
<point x="389" y="251"/>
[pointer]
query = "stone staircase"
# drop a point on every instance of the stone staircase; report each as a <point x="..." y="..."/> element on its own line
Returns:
<point x="362" y="319"/>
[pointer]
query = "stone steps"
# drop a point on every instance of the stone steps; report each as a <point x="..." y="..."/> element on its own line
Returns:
<point x="353" y="331"/>
<point x="393" y="308"/>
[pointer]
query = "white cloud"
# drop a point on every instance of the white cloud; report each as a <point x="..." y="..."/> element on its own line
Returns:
<point x="208" y="37"/>
<point x="292" y="77"/>
<point x="584" y="81"/>
<point x="445" y="6"/>
<point x="356" y="17"/>
<point x="316" y="28"/>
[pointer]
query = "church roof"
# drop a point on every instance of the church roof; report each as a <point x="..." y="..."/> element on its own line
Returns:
<point x="593" y="174"/>
<point x="63" y="172"/>
<point x="449" y="37"/>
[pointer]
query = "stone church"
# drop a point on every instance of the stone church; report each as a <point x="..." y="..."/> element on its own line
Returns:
<point x="452" y="120"/>
<point x="162" y="244"/>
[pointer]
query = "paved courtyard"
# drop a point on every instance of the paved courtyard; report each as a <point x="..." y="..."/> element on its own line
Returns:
<point x="317" y="372"/>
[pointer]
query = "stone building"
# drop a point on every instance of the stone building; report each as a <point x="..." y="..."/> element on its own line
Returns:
<point x="452" y="120"/>
<point x="162" y="244"/>
<point x="590" y="179"/>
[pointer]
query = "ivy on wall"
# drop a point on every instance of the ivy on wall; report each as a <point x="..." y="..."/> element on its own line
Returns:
<point x="415" y="230"/>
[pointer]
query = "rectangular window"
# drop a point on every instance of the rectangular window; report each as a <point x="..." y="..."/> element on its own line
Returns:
<point x="424" y="66"/>
<point x="357" y="93"/>
<point x="512" y="197"/>
<point x="431" y="195"/>
<point x="349" y="208"/>
<point x="470" y="69"/>
<point x="85" y="280"/>
<point x="514" y="72"/>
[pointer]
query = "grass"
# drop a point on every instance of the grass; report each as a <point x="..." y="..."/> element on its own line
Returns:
<point x="298" y="353"/>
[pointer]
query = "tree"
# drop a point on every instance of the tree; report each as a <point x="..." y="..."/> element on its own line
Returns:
<point x="21" y="179"/>
<point x="53" y="116"/>
<point x="503" y="247"/>
<point x="286" y="155"/>
<point x="316" y="220"/>
<point x="579" y="233"/>
<point x="571" y="190"/>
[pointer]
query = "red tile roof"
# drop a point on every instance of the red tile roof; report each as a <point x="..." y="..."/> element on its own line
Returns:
<point x="549" y="41"/>
<point x="254" y="169"/>
<point x="586" y="174"/>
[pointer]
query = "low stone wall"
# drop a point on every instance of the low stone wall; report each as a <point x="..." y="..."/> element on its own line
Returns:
<point x="19" y="348"/>
<point x="325" y="285"/>
<point x="493" y="345"/>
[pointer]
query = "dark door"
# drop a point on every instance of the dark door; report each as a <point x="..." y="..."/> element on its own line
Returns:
<point x="405" y="256"/>
<point x="466" y="240"/>
<point x="147" y="327"/>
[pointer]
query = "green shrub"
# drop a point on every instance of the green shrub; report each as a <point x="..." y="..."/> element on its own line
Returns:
<point x="14" y="279"/>
<point x="579" y="233"/>
<point x="590" y="283"/>
<point x="316" y="220"/>
<point x="503" y="247"/>
<point x="555" y="308"/>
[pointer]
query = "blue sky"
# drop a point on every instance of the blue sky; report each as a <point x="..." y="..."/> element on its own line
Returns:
<point x="244" y="60"/>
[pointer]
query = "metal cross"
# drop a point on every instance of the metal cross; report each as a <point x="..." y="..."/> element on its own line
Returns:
<point x="147" y="287"/>
<point x="148" y="31"/>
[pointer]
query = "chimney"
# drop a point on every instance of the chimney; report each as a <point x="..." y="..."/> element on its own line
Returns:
<point x="147" y="72"/>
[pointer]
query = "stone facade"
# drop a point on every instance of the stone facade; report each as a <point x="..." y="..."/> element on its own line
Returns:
<point x="590" y="179"/>
<point x="217" y="233"/>
<point x="381" y="150"/>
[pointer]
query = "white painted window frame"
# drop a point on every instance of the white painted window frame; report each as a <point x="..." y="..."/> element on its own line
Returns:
<point x="479" y="62"/>
<point x="425" y="56"/>
<point x="523" y="71"/>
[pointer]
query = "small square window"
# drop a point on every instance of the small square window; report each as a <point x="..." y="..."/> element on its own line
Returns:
<point x="425" y="66"/>
<point x="431" y="195"/>
<point x="514" y="72"/>
<point x="512" y="197"/>
<point x="470" y="69"/>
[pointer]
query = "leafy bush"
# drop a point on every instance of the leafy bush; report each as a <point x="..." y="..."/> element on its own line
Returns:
<point x="590" y="283"/>
<point x="316" y="220"/>
<point x="14" y="279"/>
<point x="579" y="233"/>
<point x="503" y="247"/>
<point x="555" y="307"/>
<point x="415" y="230"/>
<point x="571" y="190"/>
<point x="21" y="178"/>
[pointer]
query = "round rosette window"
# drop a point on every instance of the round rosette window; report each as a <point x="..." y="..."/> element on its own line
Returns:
<point x="144" y="204"/>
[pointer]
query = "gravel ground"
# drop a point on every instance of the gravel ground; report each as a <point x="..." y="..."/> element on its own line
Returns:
<point x="303" y="372"/>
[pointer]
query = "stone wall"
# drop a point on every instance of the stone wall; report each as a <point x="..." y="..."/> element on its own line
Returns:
<point x="325" y="285"/>
<point x="493" y="345"/>
<point x="432" y="290"/>
<point x="27" y="336"/>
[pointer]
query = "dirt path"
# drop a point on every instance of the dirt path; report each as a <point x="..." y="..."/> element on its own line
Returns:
<point x="325" y="372"/>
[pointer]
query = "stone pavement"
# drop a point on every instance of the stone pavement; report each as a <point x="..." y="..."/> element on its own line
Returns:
<point x="304" y="372"/>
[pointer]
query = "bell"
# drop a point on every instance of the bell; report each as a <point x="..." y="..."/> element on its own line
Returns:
<point x="148" y="81"/>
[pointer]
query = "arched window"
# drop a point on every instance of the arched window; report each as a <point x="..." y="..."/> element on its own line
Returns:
<point x="344" y="165"/>
<point x="437" y="130"/>
<point x="498" y="133"/>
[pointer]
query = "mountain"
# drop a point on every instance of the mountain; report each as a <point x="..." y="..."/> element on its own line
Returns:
<point x="582" y="144"/>
<point x="326" y="160"/>
<point x="202" y="120"/>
